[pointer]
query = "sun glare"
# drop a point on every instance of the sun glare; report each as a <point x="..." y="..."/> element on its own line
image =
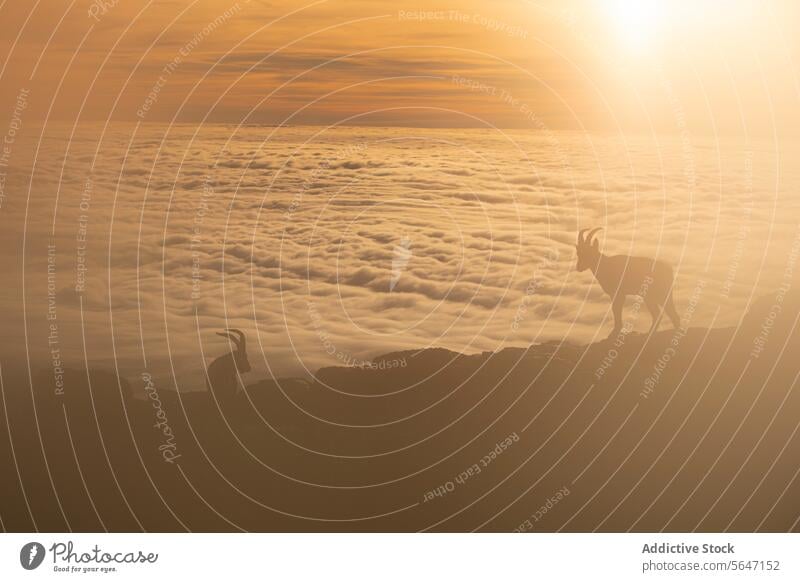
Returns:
<point x="637" y="22"/>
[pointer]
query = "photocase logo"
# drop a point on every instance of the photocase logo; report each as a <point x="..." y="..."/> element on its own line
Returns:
<point x="402" y="254"/>
<point x="31" y="555"/>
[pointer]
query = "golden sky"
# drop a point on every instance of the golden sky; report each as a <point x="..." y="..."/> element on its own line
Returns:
<point x="707" y="65"/>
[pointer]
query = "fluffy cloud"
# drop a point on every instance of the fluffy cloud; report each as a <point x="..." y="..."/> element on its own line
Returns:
<point x="297" y="235"/>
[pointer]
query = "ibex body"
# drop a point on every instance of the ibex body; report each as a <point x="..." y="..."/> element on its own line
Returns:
<point x="621" y="276"/>
<point x="224" y="372"/>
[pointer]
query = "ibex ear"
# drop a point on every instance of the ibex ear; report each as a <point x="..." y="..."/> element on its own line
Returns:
<point x="595" y="245"/>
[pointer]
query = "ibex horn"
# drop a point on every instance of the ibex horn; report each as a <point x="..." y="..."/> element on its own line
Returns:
<point x="591" y="234"/>
<point x="240" y="334"/>
<point x="235" y="335"/>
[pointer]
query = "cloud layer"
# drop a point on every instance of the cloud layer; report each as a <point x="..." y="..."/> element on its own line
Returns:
<point x="296" y="234"/>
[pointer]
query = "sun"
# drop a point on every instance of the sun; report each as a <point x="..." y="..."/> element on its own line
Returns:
<point x="638" y="23"/>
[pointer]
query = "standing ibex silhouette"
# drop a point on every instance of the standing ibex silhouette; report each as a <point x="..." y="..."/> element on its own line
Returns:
<point x="224" y="372"/>
<point x="620" y="276"/>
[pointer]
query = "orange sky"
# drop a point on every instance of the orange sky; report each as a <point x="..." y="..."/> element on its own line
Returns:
<point x="706" y="65"/>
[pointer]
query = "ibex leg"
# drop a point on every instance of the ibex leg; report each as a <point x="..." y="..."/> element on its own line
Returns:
<point x="616" y="309"/>
<point x="656" y="312"/>
<point x="672" y="312"/>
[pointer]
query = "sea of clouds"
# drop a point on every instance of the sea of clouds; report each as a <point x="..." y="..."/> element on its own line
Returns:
<point x="330" y="246"/>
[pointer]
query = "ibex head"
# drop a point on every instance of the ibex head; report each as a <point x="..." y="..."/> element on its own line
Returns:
<point x="240" y="353"/>
<point x="588" y="249"/>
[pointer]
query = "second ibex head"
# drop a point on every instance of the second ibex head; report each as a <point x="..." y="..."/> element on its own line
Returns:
<point x="240" y="353"/>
